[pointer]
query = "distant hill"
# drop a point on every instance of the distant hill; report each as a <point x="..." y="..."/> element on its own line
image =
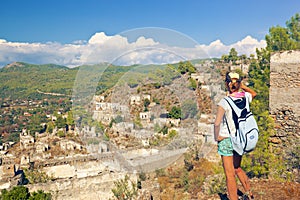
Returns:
<point x="21" y="80"/>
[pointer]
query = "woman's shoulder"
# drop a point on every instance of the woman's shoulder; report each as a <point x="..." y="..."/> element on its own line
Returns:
<point x="248" y="96"/>
<point x="223" y="103"/>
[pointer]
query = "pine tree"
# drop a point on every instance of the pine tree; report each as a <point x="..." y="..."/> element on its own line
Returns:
<point x="264" y="161"/>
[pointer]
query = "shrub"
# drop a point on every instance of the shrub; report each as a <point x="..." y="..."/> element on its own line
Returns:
<point x="22" y="193"/>
<point x="61" y="133"/>
<point x="40" y="195"/>
<point x="214" y="184"/>
<point x="36" y="176"/>
<point x="172" y="134"/>
<point x="175" y="113"/>
<point x="125" y="189"/>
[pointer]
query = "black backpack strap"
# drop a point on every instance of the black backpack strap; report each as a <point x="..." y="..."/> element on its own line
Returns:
<point x="224" y="119"/>
<point x="233" y="106"/>
<point x="234" y="114"/>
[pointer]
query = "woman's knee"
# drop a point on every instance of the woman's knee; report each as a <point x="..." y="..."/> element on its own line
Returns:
<point x="230" y="174"/>
<point x="238" y="170"/>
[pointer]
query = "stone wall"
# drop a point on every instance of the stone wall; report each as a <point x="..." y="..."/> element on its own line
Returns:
<point x="93" y="187"/>
<point x="285" y="96"/>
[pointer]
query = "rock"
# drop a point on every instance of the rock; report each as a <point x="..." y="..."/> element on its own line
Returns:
<point x="275" y="140"/>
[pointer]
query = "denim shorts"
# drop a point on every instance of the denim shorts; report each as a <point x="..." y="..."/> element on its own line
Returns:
<point x="225" y="147"/>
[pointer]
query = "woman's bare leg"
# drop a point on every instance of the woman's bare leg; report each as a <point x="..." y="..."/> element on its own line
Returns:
<point x="230" y="177"/>
<point x="241" y="173"/>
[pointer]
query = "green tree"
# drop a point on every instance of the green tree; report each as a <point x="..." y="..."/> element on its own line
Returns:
<point x="172" y="134"/>
<point x="260" y="161"/>
<point x="265" y="161"/>
<point x="181" y="67"/>
<point x="60" y="122"/>
<point x="35" y="123"/>
<point x="190" y="67"/>
<point x="50" y="127"/>
<point x="164" y="130"/>
<point x="70" y="119"/>
<point x="175" y="113"/>
<point x="243" y="57"/>
<point x="186" y="67"/>
<point x="146" y="104"/>
<point x="193" y="84"/>
<point x="233" y="55"/>
<point x="16" y="193"/>
<point x="293" y="26"/>
<point x="259" y="80"/>
<point x="279" y="39"/>
<point x="225" y="58"/>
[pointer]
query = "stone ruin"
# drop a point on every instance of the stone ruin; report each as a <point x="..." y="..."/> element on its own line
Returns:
<point x="26" y="140"/>
<point x="285" y="97"/>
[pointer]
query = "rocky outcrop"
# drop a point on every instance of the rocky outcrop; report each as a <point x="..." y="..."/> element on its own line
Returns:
<point x="94" y="187"/>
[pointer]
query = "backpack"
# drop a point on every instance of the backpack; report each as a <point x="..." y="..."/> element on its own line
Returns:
<point x="246" y="136"/>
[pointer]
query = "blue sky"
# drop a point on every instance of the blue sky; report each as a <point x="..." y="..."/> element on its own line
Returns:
<point x="67" y="21"/>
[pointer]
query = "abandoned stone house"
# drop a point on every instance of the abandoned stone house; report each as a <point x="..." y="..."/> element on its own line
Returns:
<point x="41" y="147"/>
<point x="198" y="77"/>
<point x="88" y="131"/>
<point x="5" y="146"/>
<point x="106" y="112"/>
<point x="70" y="145"/>
<point x="26" y="140"/>
<point x="24" y="161"/>
<point x="243" y="67"/>
<point x="98" y="98"/>
<point x="98" y="148"/>
<point x="137" y="99"/>
<point x="110" y="107"/>
<point x="146" y="96"/>
<point x="123" y="127"/>
<point x="145" y="116"/>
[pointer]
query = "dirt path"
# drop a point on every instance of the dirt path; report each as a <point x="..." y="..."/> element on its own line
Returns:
<point x="267" y="190"/>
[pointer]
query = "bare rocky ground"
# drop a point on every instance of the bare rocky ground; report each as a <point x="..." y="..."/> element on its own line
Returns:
<point x="264" y="189"/>
<point x="171" y="185"/>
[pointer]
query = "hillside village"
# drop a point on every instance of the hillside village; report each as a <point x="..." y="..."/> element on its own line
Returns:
<point x="138" y="135"/>
<point x="131" y="130"/>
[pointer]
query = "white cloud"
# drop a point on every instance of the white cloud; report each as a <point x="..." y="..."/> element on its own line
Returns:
<point x="142" y="41"/>
<point x="248" y="45"/>
<point x="116" y="49"/>
<point x="99" y="38"/>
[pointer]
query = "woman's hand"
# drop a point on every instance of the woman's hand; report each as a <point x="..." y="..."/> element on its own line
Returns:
<point x="247" y="89"/>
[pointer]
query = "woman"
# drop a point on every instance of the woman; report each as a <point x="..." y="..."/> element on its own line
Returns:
<point x="231" y="160"/>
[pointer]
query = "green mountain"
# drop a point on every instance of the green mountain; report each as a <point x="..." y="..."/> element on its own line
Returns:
<point x="23" y="80"/>
<point x="20" y="80"/>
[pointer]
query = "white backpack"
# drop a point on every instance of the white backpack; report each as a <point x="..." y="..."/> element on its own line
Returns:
<point x="246" y="136"/>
